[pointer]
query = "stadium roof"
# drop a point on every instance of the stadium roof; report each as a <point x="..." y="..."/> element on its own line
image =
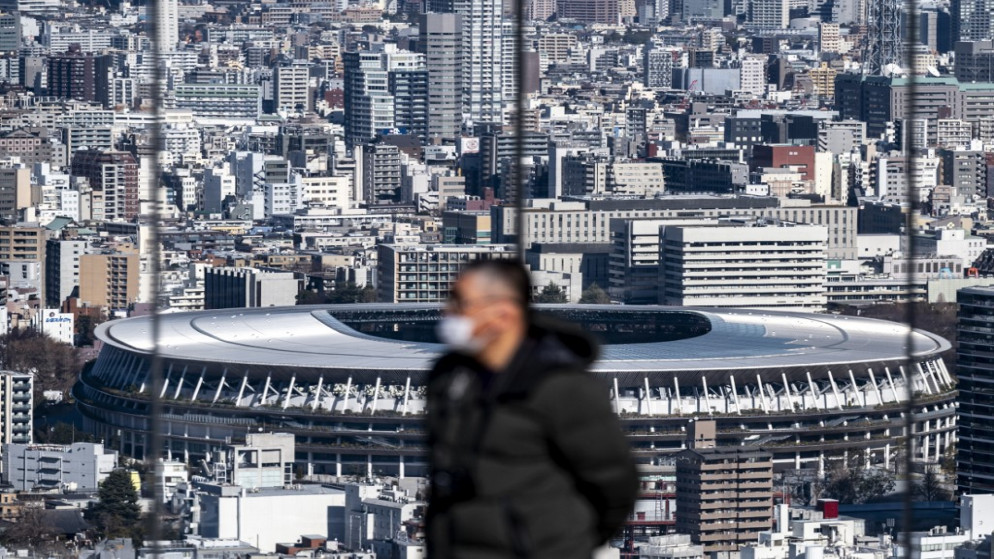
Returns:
<point x="311" y="337"/>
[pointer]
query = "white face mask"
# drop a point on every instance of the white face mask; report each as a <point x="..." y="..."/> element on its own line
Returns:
<point x="457" y="333"/>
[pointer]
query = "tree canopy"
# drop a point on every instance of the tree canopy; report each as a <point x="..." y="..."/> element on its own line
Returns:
<point x="54" y="364"/>
<point x="551" y="293"/>
<point x="117" y="514"/>
<point x="594" y="295"/>
<point x="856" y="483"/>
<point x="342" y="294"/>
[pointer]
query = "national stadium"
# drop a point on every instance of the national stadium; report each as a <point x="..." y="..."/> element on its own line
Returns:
<point x="349" y="382"/>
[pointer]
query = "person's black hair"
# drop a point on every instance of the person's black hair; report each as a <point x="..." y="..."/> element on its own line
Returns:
<point x="509" y="271"/>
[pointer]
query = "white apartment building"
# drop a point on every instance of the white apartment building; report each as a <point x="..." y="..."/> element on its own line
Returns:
<point x="737" y="265"/>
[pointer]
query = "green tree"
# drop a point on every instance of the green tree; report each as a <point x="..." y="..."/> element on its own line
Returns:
<point x="552" y="293"/>
<point x="594" y="295"/>
<point x="117" y="513"/>
<point x="855" y="483"/>
<point x="930" y="488"/>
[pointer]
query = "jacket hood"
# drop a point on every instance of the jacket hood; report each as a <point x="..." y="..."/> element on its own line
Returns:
<point x="558" y="344"/>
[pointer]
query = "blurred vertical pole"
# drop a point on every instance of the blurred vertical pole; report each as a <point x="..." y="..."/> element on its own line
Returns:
<point x="519" y="127"/>
<point x="910" y="40"/>
<point x="153" y="436"/>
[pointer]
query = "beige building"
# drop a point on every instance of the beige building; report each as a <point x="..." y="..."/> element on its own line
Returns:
<point x="724" y="496"/>
<point x="16" y="192"/>
<point x="108" y="280"/>
<point x="823" y="80"/>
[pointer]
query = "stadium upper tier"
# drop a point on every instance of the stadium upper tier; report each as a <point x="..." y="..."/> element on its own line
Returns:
<point x="348" y="380"/>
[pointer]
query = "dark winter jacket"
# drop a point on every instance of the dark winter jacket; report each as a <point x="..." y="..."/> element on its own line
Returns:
<point x="528" y="462"/>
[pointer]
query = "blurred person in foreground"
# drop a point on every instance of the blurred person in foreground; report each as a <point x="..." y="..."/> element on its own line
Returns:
<point x="527" y="457"/>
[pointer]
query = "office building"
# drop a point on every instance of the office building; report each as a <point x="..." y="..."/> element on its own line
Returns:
<point x="268" y="516"/>
<point x="780" y="156"/>
<point x="264" y="460"/>
<point x="549" y="221"/>
<point x="25" y="246"/>
<point x="972" y="20"/>
<point x="108" y="280"/>
<point x="704" y="175"/>
<point x="975" y="450"/>
<point x="16" y="408"/>
<point x="724" y="496"/>
<point x="425" y="274"/>
<point x="771" y="266"/>
<point x="590" y="11"/>
<point x="62" y="266"/>
<point x="74" y="467"/>
<point x="769" y="14"/>
<point x="482" y="57"/>
<point x="219" y="100"/>
<point x="964" y="170"/>
<point x="974" y="61"/>
<point x="441" y="37"/>
<point x="29" y="145"/>
<point x="113" y="177"/>
<point x="235" y="288"/>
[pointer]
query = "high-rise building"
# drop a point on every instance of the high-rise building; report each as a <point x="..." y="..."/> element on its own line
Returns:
<point x="975" y="449"/>
<point x="291" y="87"/>
<point x="167" y="24"/>
<point x="482" y="57"/>
<point x="113" y="176"/>
<point x="386" y="89"/>
<point x="381" y="176"/>
<point x="973" y="20"/>
<point x="17" y="398"/>
<point x="24" y="245"/>
<point x="441" y="40"/>
<point x="10" y="32"/>
<point x="724" y="496"/>
<point x="540" y="10"/>
<point x="658" y="64"/>
<point x="108" y="280"/>
<point x="62" y="264"/>
<point x="16" y="193"/>
<point x="80" y="76"/>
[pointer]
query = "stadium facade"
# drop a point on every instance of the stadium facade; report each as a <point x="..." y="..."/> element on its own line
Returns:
<point x="349" y="381"/>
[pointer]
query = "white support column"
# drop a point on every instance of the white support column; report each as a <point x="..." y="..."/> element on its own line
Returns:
<point x="835" y="390"/>
<point x="143" y="377"/>
<point x="348" y="392"/>
<point x="762" y="394"/>
<point x="945" y="372"/>
<point x="376" y="396"/>
<point x="407" y="394"/>
<point x="735" y="396"/>
<point x="907" y="382"/>
<point x="241" y="391"/>
<point x="265" y="388"/>
<point x="220" y="385"/>
<point x="289" y="391"/>
<point x="317" y="393"/>
<point x="676" y="396"/>
<point x="814" y="391"/>
<point x="855" y="388"/>
<point x="165" y="383"/>
<point x="928" y="389"/>
<point x="400" y="468"/>
<point x="707" y="397"/>
<point x="617" y="397"/>
<point x="648" y="398"/>
<point x="893" y="387"/>
<point x="179" y="385"/>
<point x="873" y="379"/>
<point x="887" y="456"/>
<point x="200" y="382"/>
<point x="773" y="396"/>
<point x="786" y="391"/>
<point x="933" y="373"/>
